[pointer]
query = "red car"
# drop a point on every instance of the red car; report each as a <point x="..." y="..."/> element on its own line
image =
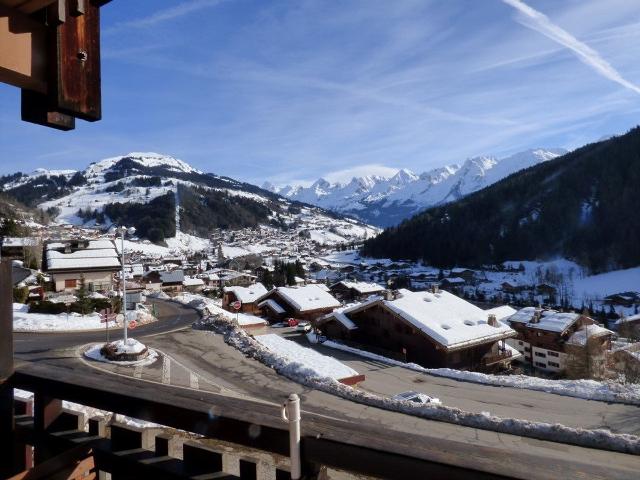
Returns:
<point x="292" y="322"/>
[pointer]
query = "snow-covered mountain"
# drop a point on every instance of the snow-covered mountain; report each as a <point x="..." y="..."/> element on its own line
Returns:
<point x="157" y="193"/>
<point x="386" y="201"/>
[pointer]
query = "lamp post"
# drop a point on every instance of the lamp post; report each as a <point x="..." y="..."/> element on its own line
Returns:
<point x="124" y="230"/>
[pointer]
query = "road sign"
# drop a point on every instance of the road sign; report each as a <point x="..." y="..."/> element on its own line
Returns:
<point x="237" y="305"/>
<point x="132" y="324"/>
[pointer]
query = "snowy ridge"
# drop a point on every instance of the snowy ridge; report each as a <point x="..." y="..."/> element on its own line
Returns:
<point x="384" y="201"/>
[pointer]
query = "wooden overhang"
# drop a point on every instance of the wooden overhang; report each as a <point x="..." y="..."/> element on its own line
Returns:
<point x="50" y="49"/>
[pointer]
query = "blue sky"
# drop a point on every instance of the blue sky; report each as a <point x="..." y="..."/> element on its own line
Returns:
<point x="292" y="90"/>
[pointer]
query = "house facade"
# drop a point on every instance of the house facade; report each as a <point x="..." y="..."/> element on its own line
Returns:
<point x="247" y="296"/>
<point x="547" y="339"/>
<point x="73" y="262"/>
<point x="434" y="329"/>
<point x="307" y="303"/>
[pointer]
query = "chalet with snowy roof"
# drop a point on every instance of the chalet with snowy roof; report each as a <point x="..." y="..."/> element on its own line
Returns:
<point x="352" y="291"/>
<point x="543" y="336"/>
<point x="164" y="280"/>
<point x="247" y="296"/>
<point x="432" y="328"/>
<point x="17" y="247"/>
<point x="71" y="262"/>
<point x="465" y="273"/>
<point x="624" y="299"/>
<point x="193" y="284"/>
<point x="303" y="303"/>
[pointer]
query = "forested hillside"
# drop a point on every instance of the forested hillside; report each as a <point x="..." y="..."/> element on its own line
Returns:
<point x="584" y="206"/>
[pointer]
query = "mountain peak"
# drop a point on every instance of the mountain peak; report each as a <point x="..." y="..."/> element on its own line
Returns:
<point x="143" y="159"/>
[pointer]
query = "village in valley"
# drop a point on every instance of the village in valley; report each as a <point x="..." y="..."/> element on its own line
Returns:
<point x="314" y="290"/>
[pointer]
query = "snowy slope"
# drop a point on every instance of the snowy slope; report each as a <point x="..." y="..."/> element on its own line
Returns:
<point x="139" y="178"/>
<point x="385" y="201"/>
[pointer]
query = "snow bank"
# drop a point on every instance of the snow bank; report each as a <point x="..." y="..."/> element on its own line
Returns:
<point x="587" y="389"/>
<point x="601" y="439"/>
<point x="43" y="322"/>
<point x="209" y="306"/>
<point x="321" y="365"/>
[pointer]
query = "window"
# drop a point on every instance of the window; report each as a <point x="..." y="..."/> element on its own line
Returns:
<point x="527" y="349"/>
<point x="520" y="342"/>
<point x="70" y="283"/>
<point x="553" y="354"/>
<point x="554" y="364"/>
<point x="539" y="334"/>
<point x="540" y="364"/>
<point x="540" y="354"/>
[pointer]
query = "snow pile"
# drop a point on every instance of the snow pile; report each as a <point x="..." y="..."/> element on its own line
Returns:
<point x="601" y="439"/>
<point x="209" y="306"/>
<point x="321" y="365"/>
<point x="587" y="389"/>
<point x="44" y="322"/>
<point x="131" y="346"/>
<point x="93" y="352"/>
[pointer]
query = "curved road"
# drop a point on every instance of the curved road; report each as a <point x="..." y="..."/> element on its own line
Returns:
<point x="171" y="317"/>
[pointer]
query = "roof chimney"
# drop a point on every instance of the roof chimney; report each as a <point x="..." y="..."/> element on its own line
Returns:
<point x="493" y="320"/>
<point x="536" y="315"/>
<point x="435" y="288"/>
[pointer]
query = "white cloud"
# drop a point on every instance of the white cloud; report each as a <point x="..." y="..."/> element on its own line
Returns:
<point x="538" y="21"/>
<point x="167" y="14"/>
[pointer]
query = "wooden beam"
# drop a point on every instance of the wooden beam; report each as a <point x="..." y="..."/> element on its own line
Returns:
<point x="35" y="109"/>
<point x="23" y="53"/>
<point x="75" y="65"/>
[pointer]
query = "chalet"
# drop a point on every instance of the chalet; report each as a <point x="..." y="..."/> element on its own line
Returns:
<point x="587" y="350"/>
<point x="543" y="335"/>
<point x="452" y="282"/>
<point x="349" y="290"/>
<point x="247" y="296"/>
<point x="192" y="284"/>
<point x="17" y="247"/>
<point x="624" y="299"/>
<point x="433" y="328"/>
<point x="164" y="280"/>
<point x="510" y="286"/>
<point x="72" y="262"/>
<point x="303" y="303"/>
<point x="465" y="273"/>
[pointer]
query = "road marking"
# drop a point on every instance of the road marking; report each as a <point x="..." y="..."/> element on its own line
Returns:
<point x="137" y="372"/>
<point x="193" y="380"/>
<point x="166" y="369"/>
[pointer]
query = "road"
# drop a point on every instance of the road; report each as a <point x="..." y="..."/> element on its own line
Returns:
<point x="220" y="368"/>
<point x="171" y="317"/>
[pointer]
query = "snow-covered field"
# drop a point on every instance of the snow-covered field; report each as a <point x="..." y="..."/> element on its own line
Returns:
<point x="320" y="365"/>
<point x="42" y="322"/>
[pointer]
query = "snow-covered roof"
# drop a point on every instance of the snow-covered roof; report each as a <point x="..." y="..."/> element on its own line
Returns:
<point x="308" y="297"/>
<point x="271" y="304"/>
<point x="247" y="294"/>
<point x="454" y="280"/>
<point x="550" y="320"/>
<point x="579" y="337"/>
<point x="192" y="282"/>
<point x="98" y="254"/>
<point x="446" y="318"/>
<point x="502" y="312"/>
<point x="362" y="287"/>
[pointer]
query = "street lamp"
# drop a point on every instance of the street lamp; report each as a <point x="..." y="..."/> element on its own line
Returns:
<point x="124" y="230"/>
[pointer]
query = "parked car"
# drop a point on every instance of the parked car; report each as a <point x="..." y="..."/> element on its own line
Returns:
<point x="415" y="397"/>
<point x="292" y="322"/>
<point x="303" y="327"/>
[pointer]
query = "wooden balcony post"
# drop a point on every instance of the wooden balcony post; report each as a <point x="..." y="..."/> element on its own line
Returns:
<point x="9" y="461"/>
